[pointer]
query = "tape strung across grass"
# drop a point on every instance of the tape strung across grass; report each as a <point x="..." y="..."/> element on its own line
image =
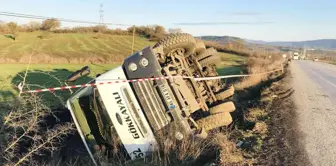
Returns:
<point x="115" y="81"/>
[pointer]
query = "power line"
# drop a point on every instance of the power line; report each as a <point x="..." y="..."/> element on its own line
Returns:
<point x="101" y="11"/>
<point x="101" y="21"/>
<point x="9" y="14"/>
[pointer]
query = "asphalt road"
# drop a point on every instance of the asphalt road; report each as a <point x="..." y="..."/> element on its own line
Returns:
<point x="314" y="95"/>
<point x="322" y="74"/>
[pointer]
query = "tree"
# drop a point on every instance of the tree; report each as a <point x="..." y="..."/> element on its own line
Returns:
<point x="3" y="27"/>
<point x="99" y="28"/>
<point x="33" y="26"/>
<point x="240" y="45"/>
<point x="13" y="29"/>
<point x="159" y="29"/>
<point x="50" y="24"/>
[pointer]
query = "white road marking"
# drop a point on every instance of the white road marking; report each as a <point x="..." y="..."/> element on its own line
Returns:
<point x="323" y="78"/>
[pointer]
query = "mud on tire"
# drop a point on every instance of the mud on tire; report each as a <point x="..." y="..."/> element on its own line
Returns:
<point x="222" y="95"/>
<point x="200" y="47"/>
<point x="215" y="121"/>
<point x="175" y="41"/>
<point x="210" y="60"/>
<point x="223" y="108"/>
<point x="208" y="52"/>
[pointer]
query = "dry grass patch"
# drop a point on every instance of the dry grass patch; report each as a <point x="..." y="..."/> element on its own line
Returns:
<point x="259" y="66"/>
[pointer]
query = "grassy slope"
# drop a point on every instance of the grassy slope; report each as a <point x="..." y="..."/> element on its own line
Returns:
<point x="70" y="45"/>
<point x="231" y="64"/>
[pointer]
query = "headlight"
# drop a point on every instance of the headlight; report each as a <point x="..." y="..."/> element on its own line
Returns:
<point x="144" y="62"/>
<point x="178" y="135"/>
<point x="132" y="67"/>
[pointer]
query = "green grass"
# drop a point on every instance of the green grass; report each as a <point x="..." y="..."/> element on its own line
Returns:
<point x="231" y="64"/>
<point x="73" y="45"/>
<point x="53" y="75"/>
<point x="43" y="76"/>
<point x="70" y="45"/>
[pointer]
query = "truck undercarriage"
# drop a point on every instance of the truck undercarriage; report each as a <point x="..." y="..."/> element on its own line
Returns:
<point x="176" y="107"/>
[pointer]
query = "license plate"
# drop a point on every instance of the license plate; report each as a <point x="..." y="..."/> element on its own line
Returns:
<point x="167" y="97"/>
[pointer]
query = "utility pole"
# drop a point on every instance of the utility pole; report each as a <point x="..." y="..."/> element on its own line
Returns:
<point x="133" y="39"/>
<point x="101" y="11"/>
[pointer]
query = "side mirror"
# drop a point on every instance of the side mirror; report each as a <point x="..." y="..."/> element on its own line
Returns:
<point x="77" y="74"/>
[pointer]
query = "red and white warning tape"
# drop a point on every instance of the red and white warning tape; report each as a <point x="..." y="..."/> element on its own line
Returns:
<point x="106" y="82"/>
<point x="115" y="81"/>
<point x="233" y="76"/>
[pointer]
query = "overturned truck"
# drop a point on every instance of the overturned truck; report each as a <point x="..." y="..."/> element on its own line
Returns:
<point x="131" y="116"/>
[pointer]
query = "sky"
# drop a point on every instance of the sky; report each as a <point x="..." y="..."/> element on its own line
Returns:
<point x="283" y="20"/>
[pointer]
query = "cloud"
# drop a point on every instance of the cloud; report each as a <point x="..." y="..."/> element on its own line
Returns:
<point x="245" y="14"/>
<point x="223" y="23"/>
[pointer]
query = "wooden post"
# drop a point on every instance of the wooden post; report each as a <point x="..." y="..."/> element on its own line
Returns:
<point x="282" y="68"/>
<point x="133" y="40"/>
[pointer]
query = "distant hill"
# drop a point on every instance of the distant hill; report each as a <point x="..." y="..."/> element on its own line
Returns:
<point x="318" y="44"/>
<point x="220" y="39"/>
<point x="321" y="44"/>
<point x="248" y="43"/>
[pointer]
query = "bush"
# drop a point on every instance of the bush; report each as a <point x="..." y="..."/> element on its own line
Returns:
<point x="231" y="48"/>
<point x="64" y="30"/>
<point x="260" y="63"/>
<point x="32" y="26"/>
<point x="13" y="29"/>
<point x="3" y="28"/>
<point x="24" y="137"/>
<point x="117" y="31"/>
<point x="99" y="28"/>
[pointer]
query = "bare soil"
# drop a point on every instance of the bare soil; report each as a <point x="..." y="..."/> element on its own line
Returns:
<point x="282" y="146"/>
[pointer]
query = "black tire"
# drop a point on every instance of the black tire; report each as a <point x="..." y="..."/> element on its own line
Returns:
<point x="200" y="47"/>
<point x="206" y="53"/>
<point x="179" y="40"/>
<point x="210" y="60"/>
<point x="215" y="121"/>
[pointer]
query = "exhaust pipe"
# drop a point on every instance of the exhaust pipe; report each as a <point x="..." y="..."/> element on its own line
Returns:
<point x="78" y="74"/>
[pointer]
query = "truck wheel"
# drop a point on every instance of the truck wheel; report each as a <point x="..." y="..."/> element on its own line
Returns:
<point x="225" y="94"/>
<point x="200" y="47"/>
<point x="215" y="121"/>
<point x="177" y="41"/>
<point x="206" y="53"/>
<point x="222" y="108"/>
<point x="210" y="60"/>
<point x="202" y="134"/>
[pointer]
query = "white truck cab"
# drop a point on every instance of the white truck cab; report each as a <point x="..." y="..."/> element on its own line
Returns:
<point x="116" y="108"/>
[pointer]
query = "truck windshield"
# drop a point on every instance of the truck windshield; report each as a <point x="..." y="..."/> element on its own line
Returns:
<point x="104" y="122"/>
<point x="105" y="125"/>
